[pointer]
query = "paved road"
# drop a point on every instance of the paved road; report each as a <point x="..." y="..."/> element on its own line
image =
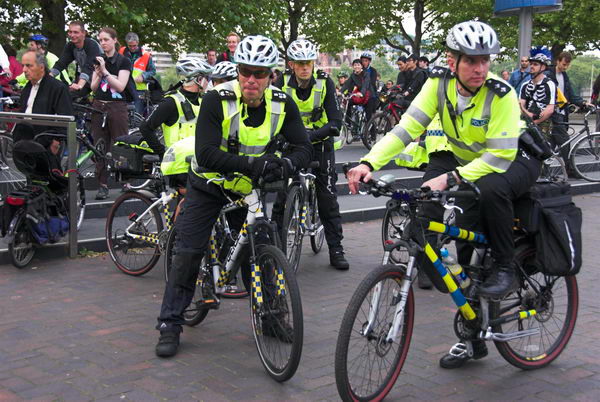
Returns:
<point x="81" y="330"/>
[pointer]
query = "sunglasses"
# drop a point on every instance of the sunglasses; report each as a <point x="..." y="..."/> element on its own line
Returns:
<point x="258" y="74"/>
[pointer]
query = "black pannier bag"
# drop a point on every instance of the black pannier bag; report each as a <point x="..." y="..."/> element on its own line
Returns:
<point x="127" y="154"/>
<point x="549" y="215"/>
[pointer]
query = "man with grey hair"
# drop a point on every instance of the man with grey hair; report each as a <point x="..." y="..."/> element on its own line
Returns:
<point x="42" y="94"/>
<point x="143" y="68"/>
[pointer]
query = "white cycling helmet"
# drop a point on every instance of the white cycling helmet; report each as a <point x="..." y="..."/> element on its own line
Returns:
<point x="541" y="58"/>
<point x="191" y="67"/>
<point x="224" y="70"/>
<point x="256" y="50"/>
<point x="301" y="49"/>
<point x="473" y="38"/>
<point x="367" y="55"/>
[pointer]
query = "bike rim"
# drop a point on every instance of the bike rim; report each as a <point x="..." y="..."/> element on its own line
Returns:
<point x="585" y="158"/>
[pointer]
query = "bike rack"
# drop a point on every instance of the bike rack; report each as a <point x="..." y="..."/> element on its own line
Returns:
<point x="69" y="123"/>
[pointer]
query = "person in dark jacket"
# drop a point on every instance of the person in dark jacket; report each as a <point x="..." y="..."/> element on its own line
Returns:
<point x="83" y="51"/>
<point x="595" y="92"/>
<point x="371" y="105"/>
<point x="558" y="74"/>
<point x="401" y="79"/>
<point x="41" y="94"/>
<point x="232" y="41"/>
<point x="359" y="85"/>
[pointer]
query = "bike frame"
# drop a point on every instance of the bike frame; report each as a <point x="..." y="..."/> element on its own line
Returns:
<point x="151" y="237"/>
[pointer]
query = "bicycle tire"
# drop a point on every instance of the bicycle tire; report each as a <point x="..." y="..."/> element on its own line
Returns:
<point x="585" y="157"/>
<point x="531" y="356"/>
<point x="554" y="169"/>
<point x="192" y="315"/>
<point x="291" y="232"/>
<point x="316" y="240"/>
<point x="21" y="249"/>
<point x="279" y="355"/>
<point x="344" y="366"/>
<point x="126" y="205"/>
<point x="381" y="123"/>
<point x="391" y="230"/>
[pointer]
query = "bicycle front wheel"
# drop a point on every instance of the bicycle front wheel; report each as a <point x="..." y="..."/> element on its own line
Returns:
<point x="292" y="231"/>
<point x="366" y="364"/>
<point x="133" y="240"/>
<point x="556" y="302"/>
<point x="585" y="157"/>
<point x="21" y="249"/>
<point x="276" y="311"/>
<point x="376" y="128"/>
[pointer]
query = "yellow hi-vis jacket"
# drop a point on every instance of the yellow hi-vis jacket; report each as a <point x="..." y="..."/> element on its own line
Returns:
<point x="487" y="131"/>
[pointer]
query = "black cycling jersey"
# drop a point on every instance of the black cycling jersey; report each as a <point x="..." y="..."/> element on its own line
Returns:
<point x="209" y="133"/>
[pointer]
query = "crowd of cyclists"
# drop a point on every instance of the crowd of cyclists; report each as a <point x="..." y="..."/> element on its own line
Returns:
<point x="228" y="110"/>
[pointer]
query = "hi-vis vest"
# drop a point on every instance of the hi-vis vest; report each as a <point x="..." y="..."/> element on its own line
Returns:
<point x="174" y="160"/>
<point x="241" y="139"/>
<point x="416" y="154"/>
<point x="139" y="66"/>
<point x="484" y="138"/>
<point x="183" y="128"/>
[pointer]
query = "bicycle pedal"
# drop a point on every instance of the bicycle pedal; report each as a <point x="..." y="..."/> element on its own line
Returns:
<point x="211" y="304"/>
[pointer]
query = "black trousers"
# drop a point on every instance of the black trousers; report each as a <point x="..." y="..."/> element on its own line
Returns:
<point x="493" y="213"/>
<point x="329" y="209"/>
<point x="560" y="135"/>
<point x="203" y="203"/>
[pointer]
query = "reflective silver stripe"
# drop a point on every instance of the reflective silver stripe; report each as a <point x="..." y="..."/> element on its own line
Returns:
<point x="487" y="106"/>
<point x="405" y="157"/>
<point x="305" y="114"/>
<point x="441" y="97"/>
<point x="276" y="108"/>
<point x="493" y="160"/>
<point x="474" y="147"/>
<point x="252" y="149"/>
<point x="463" y="162"/>
<point x="318" y="93"/>
<point x="418" y="115"/>
<point x="288" y="90"/>
<point x="502" y="143"/>
<point x="401" y="133"/>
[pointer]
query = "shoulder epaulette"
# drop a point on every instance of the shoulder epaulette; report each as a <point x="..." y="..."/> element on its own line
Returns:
<point x="498" y="87"/>
<point x="288" y="71"/>
<point x="322" y="74"/>
<point x="226" y="94"/>
<point x="279" y="96"/>
<point x="440" y="72"/>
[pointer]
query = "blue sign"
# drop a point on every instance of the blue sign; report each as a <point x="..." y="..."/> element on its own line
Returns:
<point x="511" y="7"/>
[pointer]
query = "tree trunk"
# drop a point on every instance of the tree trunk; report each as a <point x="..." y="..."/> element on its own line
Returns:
<point x="53" y="24"/>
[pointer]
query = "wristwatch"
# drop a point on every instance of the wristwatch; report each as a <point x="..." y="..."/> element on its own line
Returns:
<point x="451" y="180"/>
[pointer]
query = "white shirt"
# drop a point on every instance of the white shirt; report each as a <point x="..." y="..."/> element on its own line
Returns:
<point x="32" y="95"/>
<point x="4" y="63"/>
<point x="561" y="81"/>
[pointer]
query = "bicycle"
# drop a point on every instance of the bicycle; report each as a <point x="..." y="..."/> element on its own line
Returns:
<point x="275" y="304"/>
<point x="301" y="217"/>
<point x="352" y="128"/>
<point x="21" y="241"/>
<point x="383" y="121"/>
<point x="135" y="234"/>
<point x="10" y="177"/>
<point x="377" y="327"/>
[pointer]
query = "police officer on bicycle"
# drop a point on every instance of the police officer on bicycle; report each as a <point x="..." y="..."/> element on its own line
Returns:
<point x="480" y="117"/>
<point x="235" y="128"/>
<point x="314" y="93"/>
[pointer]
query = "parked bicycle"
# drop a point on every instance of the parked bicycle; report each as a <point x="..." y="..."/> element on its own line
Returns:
<point x="383" y="121"/>
<point x="530" y="327"/>
<point x="301" y="217"/>
<point x="39" y="211"/>
<point x="275" y="304"/>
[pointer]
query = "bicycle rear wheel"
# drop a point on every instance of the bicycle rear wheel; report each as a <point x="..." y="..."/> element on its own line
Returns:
<point x="21" y="249"/>
<point x="557" y="305"/>
<point x="276" y="311"/>
<point x="133" y="256"/>
<point x="391" y="230"/>
<point x="291" y="234"/>
<point x="366" y="365"/>
<point x="194" y="314"/>
<point x="585" y="157"/>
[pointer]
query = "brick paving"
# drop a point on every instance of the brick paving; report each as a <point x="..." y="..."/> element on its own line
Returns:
<point x="80" y="330"/>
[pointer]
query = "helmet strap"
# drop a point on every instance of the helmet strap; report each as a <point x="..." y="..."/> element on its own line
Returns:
<point x="463" y="86"/>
